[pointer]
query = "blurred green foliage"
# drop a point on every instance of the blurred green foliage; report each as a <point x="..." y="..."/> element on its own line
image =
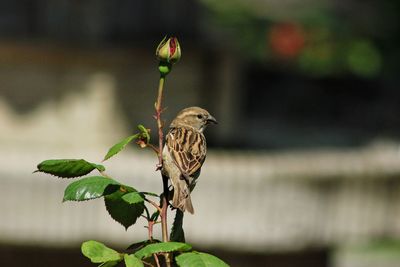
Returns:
<point x="331" y="43"/>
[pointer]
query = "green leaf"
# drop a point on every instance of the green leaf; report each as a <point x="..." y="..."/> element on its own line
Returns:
<point x="151" y="249"/>
<point x="199" y="259"/>
<point x="90" y="188"/>
<point x="121" y="211"/>
<point x="109" y="264"/>
<point x="133" y="198"/>
<point x="68" y="168"/>
<point x="115" y="149"/>
<point x="132" y="261"/>
<point x="177" y="233"/>
<point x="154" y="217"/>
<point x="144" y="133"/>
<point x="98" y="252"/>
<point x="139" y="245"/>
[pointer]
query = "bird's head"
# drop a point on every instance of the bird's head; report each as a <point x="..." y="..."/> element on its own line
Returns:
<point x="193" y="117"/>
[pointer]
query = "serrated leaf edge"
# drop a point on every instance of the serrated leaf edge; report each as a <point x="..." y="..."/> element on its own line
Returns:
<point x="94" y="241"/>
<point x="164" y="250"/>
<point x="94" y="165"/>
<point x="126" y="227"/>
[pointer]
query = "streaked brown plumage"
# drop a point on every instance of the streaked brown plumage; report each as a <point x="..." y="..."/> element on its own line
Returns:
<point x="185" y="152"/>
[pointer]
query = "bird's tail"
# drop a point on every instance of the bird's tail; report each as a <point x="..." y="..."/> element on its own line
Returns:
<point x="182" y="199"/>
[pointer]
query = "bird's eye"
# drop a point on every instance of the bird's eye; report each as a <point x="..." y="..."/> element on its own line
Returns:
<point x="200" y="116"/>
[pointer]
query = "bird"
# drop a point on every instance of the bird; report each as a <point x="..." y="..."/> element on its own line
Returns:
<point x="184" y="153"/>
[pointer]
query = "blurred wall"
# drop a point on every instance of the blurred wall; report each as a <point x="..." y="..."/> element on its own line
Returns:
<point x="302" y="169"/>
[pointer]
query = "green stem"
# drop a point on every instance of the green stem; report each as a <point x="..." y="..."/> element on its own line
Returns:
<point x="158" y="117"/>
<point x="164" y="201"/>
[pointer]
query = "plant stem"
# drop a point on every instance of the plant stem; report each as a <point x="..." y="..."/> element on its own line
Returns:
<point x="164" y="209"/>
<point x="104" y="174"/>
<point x="147" y="213"/>
<point x="156" y="260"/>
<point x="158" y="118"/>
<point x="155" y="149"/>
<point x="148" y="264"/>
<point x="154" y="204"/>
<point x="150" y="230"/>
<point x="164" y="201"/>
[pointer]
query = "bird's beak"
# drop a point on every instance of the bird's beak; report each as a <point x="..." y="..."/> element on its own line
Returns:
<point x="211" y="119"/>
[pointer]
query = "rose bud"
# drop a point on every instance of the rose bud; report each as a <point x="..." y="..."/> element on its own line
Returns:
<point x="169" y="50"/>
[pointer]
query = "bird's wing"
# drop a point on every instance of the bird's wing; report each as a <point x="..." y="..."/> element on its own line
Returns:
<point x="187" y="148"/>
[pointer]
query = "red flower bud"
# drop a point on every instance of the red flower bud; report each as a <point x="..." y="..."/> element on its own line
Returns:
<point x="169" y="50"/>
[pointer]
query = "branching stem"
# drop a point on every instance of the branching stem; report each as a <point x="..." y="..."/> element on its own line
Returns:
<point x="154" y="148"/>
<point x="154" y="204"/>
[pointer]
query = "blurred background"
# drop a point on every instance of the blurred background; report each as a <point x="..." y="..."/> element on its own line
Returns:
<point x="303" y="168"/>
